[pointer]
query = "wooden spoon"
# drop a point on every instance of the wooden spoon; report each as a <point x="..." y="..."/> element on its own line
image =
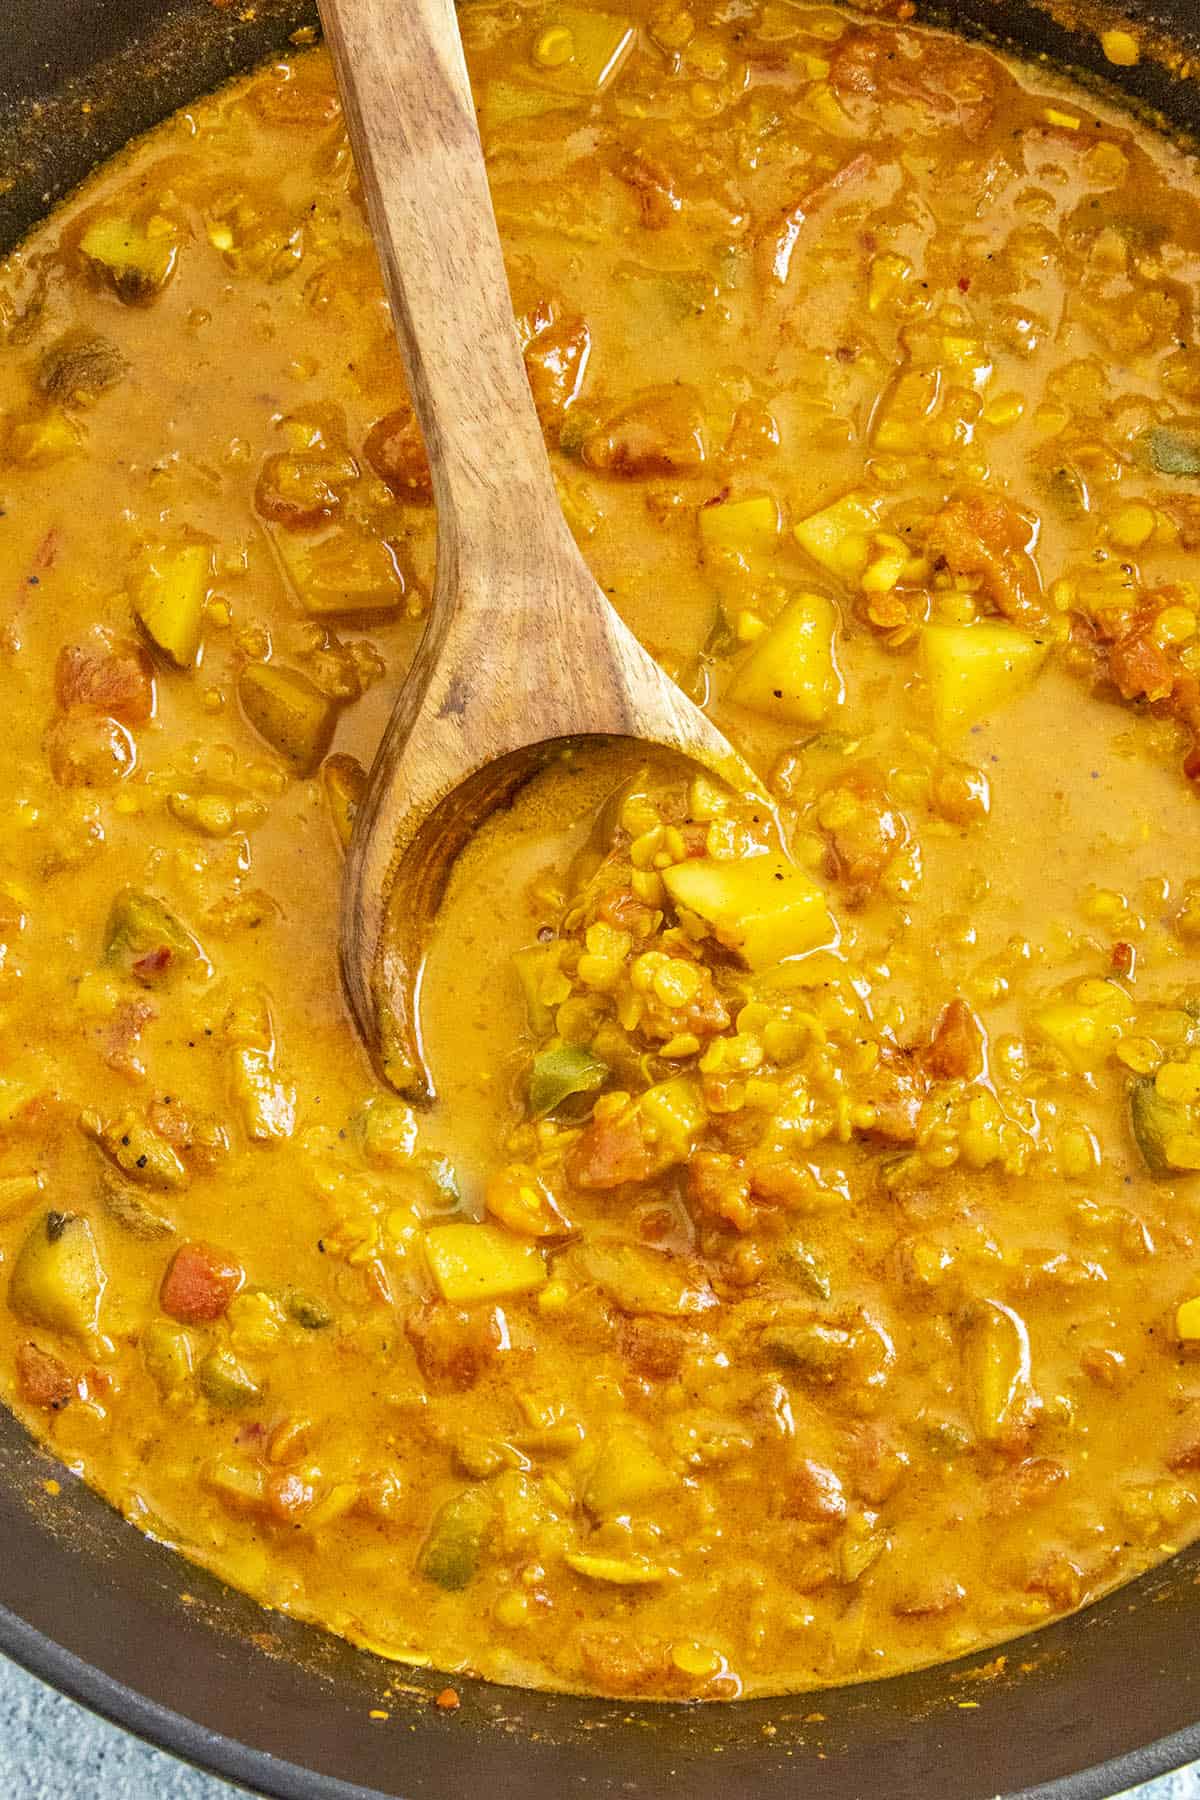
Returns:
<point x="522" y="651"/>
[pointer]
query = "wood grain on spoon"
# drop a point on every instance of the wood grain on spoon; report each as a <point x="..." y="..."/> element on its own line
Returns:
<point x="522" y="650"/>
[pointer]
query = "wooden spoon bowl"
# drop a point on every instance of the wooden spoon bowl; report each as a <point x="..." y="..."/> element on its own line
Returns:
<point x="522" y="653"/>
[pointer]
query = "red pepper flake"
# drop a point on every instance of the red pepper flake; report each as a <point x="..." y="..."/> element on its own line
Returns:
<point x="448" y="1700"/>
<point x="1123" y="958"/>
<point x="964" y="284"/>
<point x="156" y="962"/>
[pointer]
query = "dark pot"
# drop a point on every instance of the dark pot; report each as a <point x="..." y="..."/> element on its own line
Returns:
<point x="1083" y="1708"/>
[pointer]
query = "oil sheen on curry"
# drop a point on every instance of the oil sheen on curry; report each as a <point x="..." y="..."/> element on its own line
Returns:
<point x="798" y="1278"/>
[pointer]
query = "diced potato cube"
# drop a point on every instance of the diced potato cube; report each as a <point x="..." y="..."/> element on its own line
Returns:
<point x="1179" y="1083"/>
<point x="750" y="527"/>
<point x="169" y="595"/>
<point x="57" y="1279"/>
<point x="481" y="1262"/>
<point x="36" y="439"/>
<point x="267" y="1104"/>
<point x="514" y="102"/>
<point x="889" y="273"/>
<point x="136" y="259"/>
<point x="901" y="418"/>
<point x="522" y="1201"/>
<point x="839" y="536"/>
<point x="1182" y="1152"/>
<point x="294" y="716"/>
<point x="859" y="1548"/>
<point x="18" y="1192"/>
<point x="973" y="669"/>
<point x="240" y="1485"/>
<point x="167" y="1354"/>
<point x="791" y="674"/>
<point x="889" y="561"/>
<point x="674" y="1112"/>
<point x="1082" y="1035"/>
<point x="760" y="906"/>
<point x="626" y="1472"/>
<point x="343" y="572"/>
<point x="136" y="1149"/>
<point x="578" y="51"/>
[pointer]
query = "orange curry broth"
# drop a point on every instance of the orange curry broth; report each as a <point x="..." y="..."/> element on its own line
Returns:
<point x="781" y="1291"/>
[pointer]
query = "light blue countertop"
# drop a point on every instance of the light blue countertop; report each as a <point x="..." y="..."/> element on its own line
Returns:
<point x="50" y="1749"/>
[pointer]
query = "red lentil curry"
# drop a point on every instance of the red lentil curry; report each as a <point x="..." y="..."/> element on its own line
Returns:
<point x="799" y="1277"/>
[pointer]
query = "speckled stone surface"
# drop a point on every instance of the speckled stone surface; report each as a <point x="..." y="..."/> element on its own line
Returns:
<point x="50" y="1749"/>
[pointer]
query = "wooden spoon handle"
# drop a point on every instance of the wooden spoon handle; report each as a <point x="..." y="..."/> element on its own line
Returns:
<point x="411" y="120"/>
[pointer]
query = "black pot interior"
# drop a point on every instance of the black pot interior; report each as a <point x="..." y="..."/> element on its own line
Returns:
<point x="1089" y="1706"/>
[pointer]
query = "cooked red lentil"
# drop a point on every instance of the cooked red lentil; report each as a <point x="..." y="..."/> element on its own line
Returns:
<point x="799" y="1276"/>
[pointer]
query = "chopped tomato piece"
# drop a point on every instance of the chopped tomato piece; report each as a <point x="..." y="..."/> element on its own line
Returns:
<point x="654" y="185"/>
<point x="990" y="539"/>
<point x="613" y="1149"/>
<point x="958" y="1050"/>
<point x="302" y="491"/>
<point x="288" y="1497"/>
<point x="89" y="751"/>
<point x="719" y="1186"/>
<point x="659" y="433"/>
<point x="620" y="1663"/>
<point x="778" y="244"/>
<point x="930" y="1598"/>
<point x="864" y="831"/>
<point x="623" y="909"/>
<point x="119" y="682"/>
<point x="1140" y="667"/>
<point x="944" y="84"/>
<point x="395" y="450"/>
<point x="42" y="1379"/>
<point x="556" y="360"/>
<point x="199" y="1284"/>
<point x="653" y="1348"/>
<point x="454" y="1345"/>
<point x="878" y="1465"/>
<point x="1030" y="1483"/>
<point x="814" y="1493"/>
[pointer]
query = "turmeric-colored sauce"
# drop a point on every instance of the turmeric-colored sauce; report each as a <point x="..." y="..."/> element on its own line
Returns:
<point x="798" y="1276"/>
